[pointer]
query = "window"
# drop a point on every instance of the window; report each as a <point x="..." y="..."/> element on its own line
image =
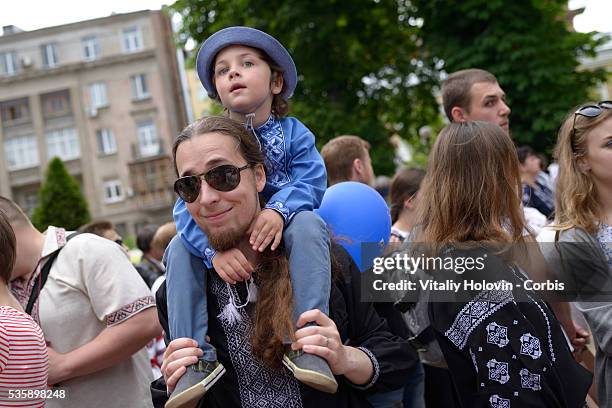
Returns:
<point x="8" y="63"/>
<point x="29" y="201"/>
<point x="56" y="103"/>
<point x="148" y="144"/>
<point x="113" y="192"/>
<point x="63" y="143"/>
<point x="97" y="94"/>
<point x="49" y="55"/>
<point x="21" y="152"/>
<point x="132" y="39"/>
<point x="15" y="112"/>
<point x="106" y="141"/>
<point x="140" y="90"/>
<point x="91" y="48"/>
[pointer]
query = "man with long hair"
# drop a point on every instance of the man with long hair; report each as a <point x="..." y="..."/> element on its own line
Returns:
<point x="221" y="167"/>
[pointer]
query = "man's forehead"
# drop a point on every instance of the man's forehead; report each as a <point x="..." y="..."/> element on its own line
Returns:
<point x="482" y="90"/>
<point x="203" y="152"/>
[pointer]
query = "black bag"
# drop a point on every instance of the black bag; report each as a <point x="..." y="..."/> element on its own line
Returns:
<point x="44" y="274"/>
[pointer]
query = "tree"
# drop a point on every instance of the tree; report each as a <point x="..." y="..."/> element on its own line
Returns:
<point x="358" y="61"/>
<point x="60" y="202"/>
<point x="527" y="44"/>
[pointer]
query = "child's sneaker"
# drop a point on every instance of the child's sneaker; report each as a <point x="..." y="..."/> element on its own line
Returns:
<point x="311" y="370"/>
<point x="194" y="383"/>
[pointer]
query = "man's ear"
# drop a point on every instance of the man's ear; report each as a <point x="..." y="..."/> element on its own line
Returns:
<point x="458" y="114"/>
<point x="357" y="168"/>
<point x="260" y="177"/>
<point x="276" y="83"/>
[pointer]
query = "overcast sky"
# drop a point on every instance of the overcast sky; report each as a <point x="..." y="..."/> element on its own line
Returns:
<point x="31" y="15"/>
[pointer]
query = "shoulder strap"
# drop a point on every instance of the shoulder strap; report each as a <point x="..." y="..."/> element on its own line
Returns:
<point x="42" y="278"/>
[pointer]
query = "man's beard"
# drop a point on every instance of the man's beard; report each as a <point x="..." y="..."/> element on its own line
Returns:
<point x="224" y="240"/>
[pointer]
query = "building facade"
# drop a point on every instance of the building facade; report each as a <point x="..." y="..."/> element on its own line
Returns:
<point x="201" y="104"/>
<point x="602" y="60"/>
<point x="103" y="95"/>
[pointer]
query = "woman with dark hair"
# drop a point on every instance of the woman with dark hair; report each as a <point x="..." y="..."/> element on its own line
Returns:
<point x="24" y="364"/>
<point x="403" y="195"/>
<point x="503" y="345"/>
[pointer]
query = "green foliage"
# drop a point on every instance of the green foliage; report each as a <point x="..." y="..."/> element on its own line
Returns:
<point x="527" y="44"/>
<point x="335" y="45"/>
<point x="129" y="242"/>
<point x="60" y="202"/>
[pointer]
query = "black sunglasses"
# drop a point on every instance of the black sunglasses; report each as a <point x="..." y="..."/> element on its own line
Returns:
<point x="588" y="111"/>
<point x="222" y="178"/>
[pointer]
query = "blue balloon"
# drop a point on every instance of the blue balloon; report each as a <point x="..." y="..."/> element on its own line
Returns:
<point x="357" y="214"/>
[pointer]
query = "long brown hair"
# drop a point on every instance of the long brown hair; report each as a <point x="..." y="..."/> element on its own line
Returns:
<point x="274" y="308"/>
<point x="471" y="191"/>
<point x="576" y="200"/>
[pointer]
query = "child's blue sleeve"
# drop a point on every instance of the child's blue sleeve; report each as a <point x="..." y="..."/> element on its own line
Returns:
<point x="191" y="234"/>
<point x="307" y="172"/>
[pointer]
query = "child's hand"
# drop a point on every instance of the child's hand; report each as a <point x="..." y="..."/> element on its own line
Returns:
<point x="232" y="266"/>
<point x="268" y="227"/>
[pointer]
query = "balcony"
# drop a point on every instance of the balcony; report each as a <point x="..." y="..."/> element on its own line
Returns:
<point x="152" y="180"/>
<point x="149" y="151"/>
<point x="15" y="112"/>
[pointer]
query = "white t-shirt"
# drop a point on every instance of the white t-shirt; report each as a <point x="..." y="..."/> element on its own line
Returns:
<point x="91" y="286"/>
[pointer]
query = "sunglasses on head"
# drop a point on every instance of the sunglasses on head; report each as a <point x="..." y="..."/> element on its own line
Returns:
<point x="589" y="111"/>
<point x="222" y="178"/>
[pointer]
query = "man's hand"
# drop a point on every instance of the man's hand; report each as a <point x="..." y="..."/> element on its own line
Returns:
<point x="180" y="354"/>
<point x="268" y="228"/>
<point x="232" y="266"/>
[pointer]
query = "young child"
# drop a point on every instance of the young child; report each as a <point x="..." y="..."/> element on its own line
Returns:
<point x="252" y="75"/>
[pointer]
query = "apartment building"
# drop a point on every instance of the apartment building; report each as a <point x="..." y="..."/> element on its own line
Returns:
<point x="602" y="60"/>
<point x="105" y="96"/>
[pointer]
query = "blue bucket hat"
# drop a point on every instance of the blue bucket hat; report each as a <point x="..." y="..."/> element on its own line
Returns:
<point x="250" y="37"/>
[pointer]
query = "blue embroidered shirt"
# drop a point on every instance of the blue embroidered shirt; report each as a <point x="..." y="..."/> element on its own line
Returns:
<point x="295" y="180"/>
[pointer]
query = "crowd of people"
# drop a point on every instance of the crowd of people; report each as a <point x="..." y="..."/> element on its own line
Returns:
<point x="248" y="300"/>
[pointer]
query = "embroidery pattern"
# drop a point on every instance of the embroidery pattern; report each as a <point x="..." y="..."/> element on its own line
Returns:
<point x="548" y="332"/>
<point x="498" y="371"/>
<point x="280" y="207"/>
<point x="474" y="312"/>
<point x="530" y="380"/>
<point x="604" y="237"/>
<point x="499" y="402"/>
<point x="473" y="359"/>
<point x="497" y="334"/>
<point x="129" y="310"/>
<point x="376" y="369"/>
<point x="530" y="346"/>
<point x="258" y="385"/>
<point x="272" y="140"/>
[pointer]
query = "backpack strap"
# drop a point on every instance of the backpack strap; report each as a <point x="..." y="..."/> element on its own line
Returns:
<point x="44" y="274"/>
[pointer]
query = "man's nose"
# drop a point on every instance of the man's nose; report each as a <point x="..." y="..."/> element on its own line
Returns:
<point x="505" y="111"/>
<point x="208" y="195"/>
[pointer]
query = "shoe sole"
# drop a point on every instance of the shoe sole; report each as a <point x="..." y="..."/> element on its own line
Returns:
<point x="191" y="396"/>
<point x="311" y="378"/>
